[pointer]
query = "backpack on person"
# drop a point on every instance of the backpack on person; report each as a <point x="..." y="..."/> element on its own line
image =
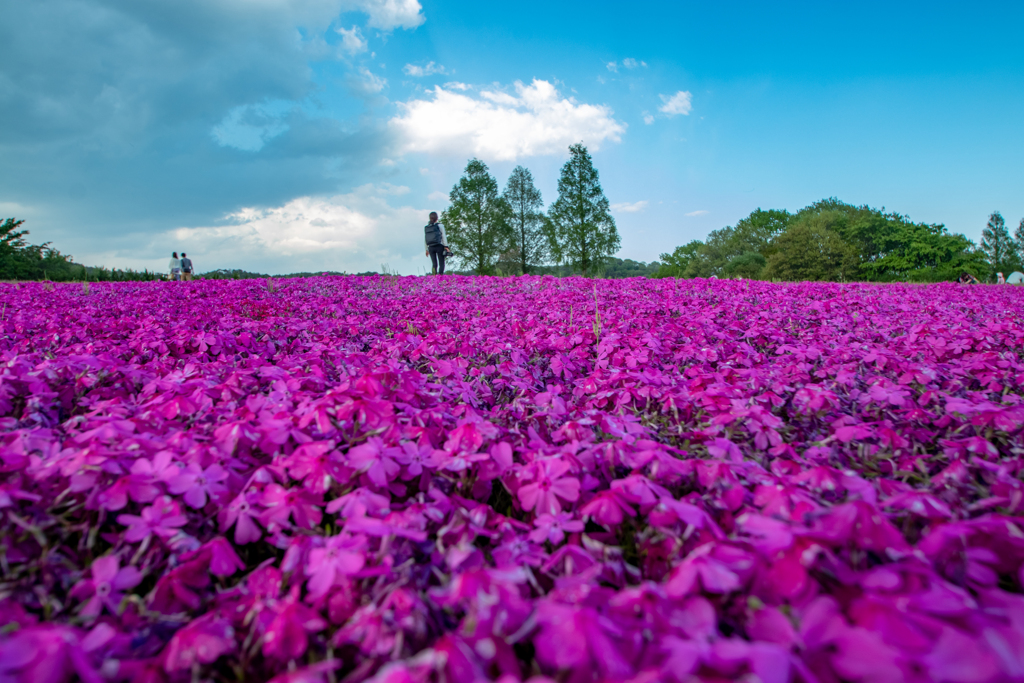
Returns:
<point x="432" y="233"/>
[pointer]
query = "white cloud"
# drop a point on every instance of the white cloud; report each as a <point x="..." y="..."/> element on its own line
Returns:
<point x="352" y="40"/>
<point x="627" y="63"/>
<point x="428" y="69"/>
<point x="438" y="197"/>
<point x="702" y="212"/>
<point x="627" y="207"/>
<point x="680" y="103"/>
<point x="351" y="232"/>
<point x="498" y="126"/>
<point x="366" y="82"/>
<point x="455" y="85"/>
<point x="648" y="118"/>
<point x="390" y="14"/>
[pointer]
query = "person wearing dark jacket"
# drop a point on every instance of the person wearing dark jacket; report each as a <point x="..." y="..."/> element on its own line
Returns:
<point x="436" y="243"/>
<point x="186" y="267"/>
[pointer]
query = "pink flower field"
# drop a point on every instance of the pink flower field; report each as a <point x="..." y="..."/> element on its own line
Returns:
<point x="467" y="479"/>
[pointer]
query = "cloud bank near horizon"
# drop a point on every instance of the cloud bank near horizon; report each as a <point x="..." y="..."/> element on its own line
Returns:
<point x="343" y="232"/>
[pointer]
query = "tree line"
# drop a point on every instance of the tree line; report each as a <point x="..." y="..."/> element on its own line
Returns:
<point x="20" y="260"/>
<point x="835" y="241"/>
<point x="509" y="233"/>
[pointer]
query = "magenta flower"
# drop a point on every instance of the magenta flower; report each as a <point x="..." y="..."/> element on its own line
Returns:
<point x="281" y="504"/>
<point x="554" y="527"/>
<point x="161" y="468"/>
<point x="285" y="638"/>
<point x="115" y="496"/>
<point x="314" y="673"/>
<point x="45" y="654"/>
<point x="240" y="513"/>
<point x="641" y="491"/>
<point x="224" y="561"/>
<point x="313" y="464"/>
<point x="579" y="640"/>
<point x="715" y="568"/>
<point x="142" y="484"/>
<point x="198" y="485"/>
<point x="414" y="457"/>
<point x="548" y="487"/>
<point x="341" y="556"/>
<point x="162" y="518"/>
<point x="608" y="508"/>
<point x="180" y="588"/>
<point x="105" y="587"/>
<point x="723" y="449"/>
<point x="518" y="552"/>
<point x="201" y="642"/>
<point x="374" y="459"/>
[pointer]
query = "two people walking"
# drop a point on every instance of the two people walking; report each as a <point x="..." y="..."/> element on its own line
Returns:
<point x="181" y="268"/>
<point x="436" y="243"/>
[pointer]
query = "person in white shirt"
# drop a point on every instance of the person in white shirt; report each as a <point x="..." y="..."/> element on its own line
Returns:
<point x="175" y="266"/>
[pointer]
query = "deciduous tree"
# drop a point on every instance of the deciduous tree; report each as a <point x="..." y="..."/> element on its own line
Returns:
<point x="674" y="264"/>
<point x="809" y="250"/>
<point x="749" y="266"/>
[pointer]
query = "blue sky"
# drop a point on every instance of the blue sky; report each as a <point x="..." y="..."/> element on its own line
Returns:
<point x="287" y="135"/>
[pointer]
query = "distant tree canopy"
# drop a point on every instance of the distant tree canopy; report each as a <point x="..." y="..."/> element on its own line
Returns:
<point x="676" y="263"/>
<point x="832" y="240"/>
<point x="811" y="250"/>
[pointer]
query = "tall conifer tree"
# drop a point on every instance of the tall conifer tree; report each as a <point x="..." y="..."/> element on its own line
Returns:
<point x="1018" y="238"/>
<point x="581" y="231"/>
<point x="476" y="222"/>
<point x="525" y="219"/>
<point x="999" y="249"/>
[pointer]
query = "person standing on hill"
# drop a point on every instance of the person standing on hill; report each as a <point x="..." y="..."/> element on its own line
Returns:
<point x="175" y="266"/>
<point x="186" y="267"/>
<point x="436" y="243"/>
